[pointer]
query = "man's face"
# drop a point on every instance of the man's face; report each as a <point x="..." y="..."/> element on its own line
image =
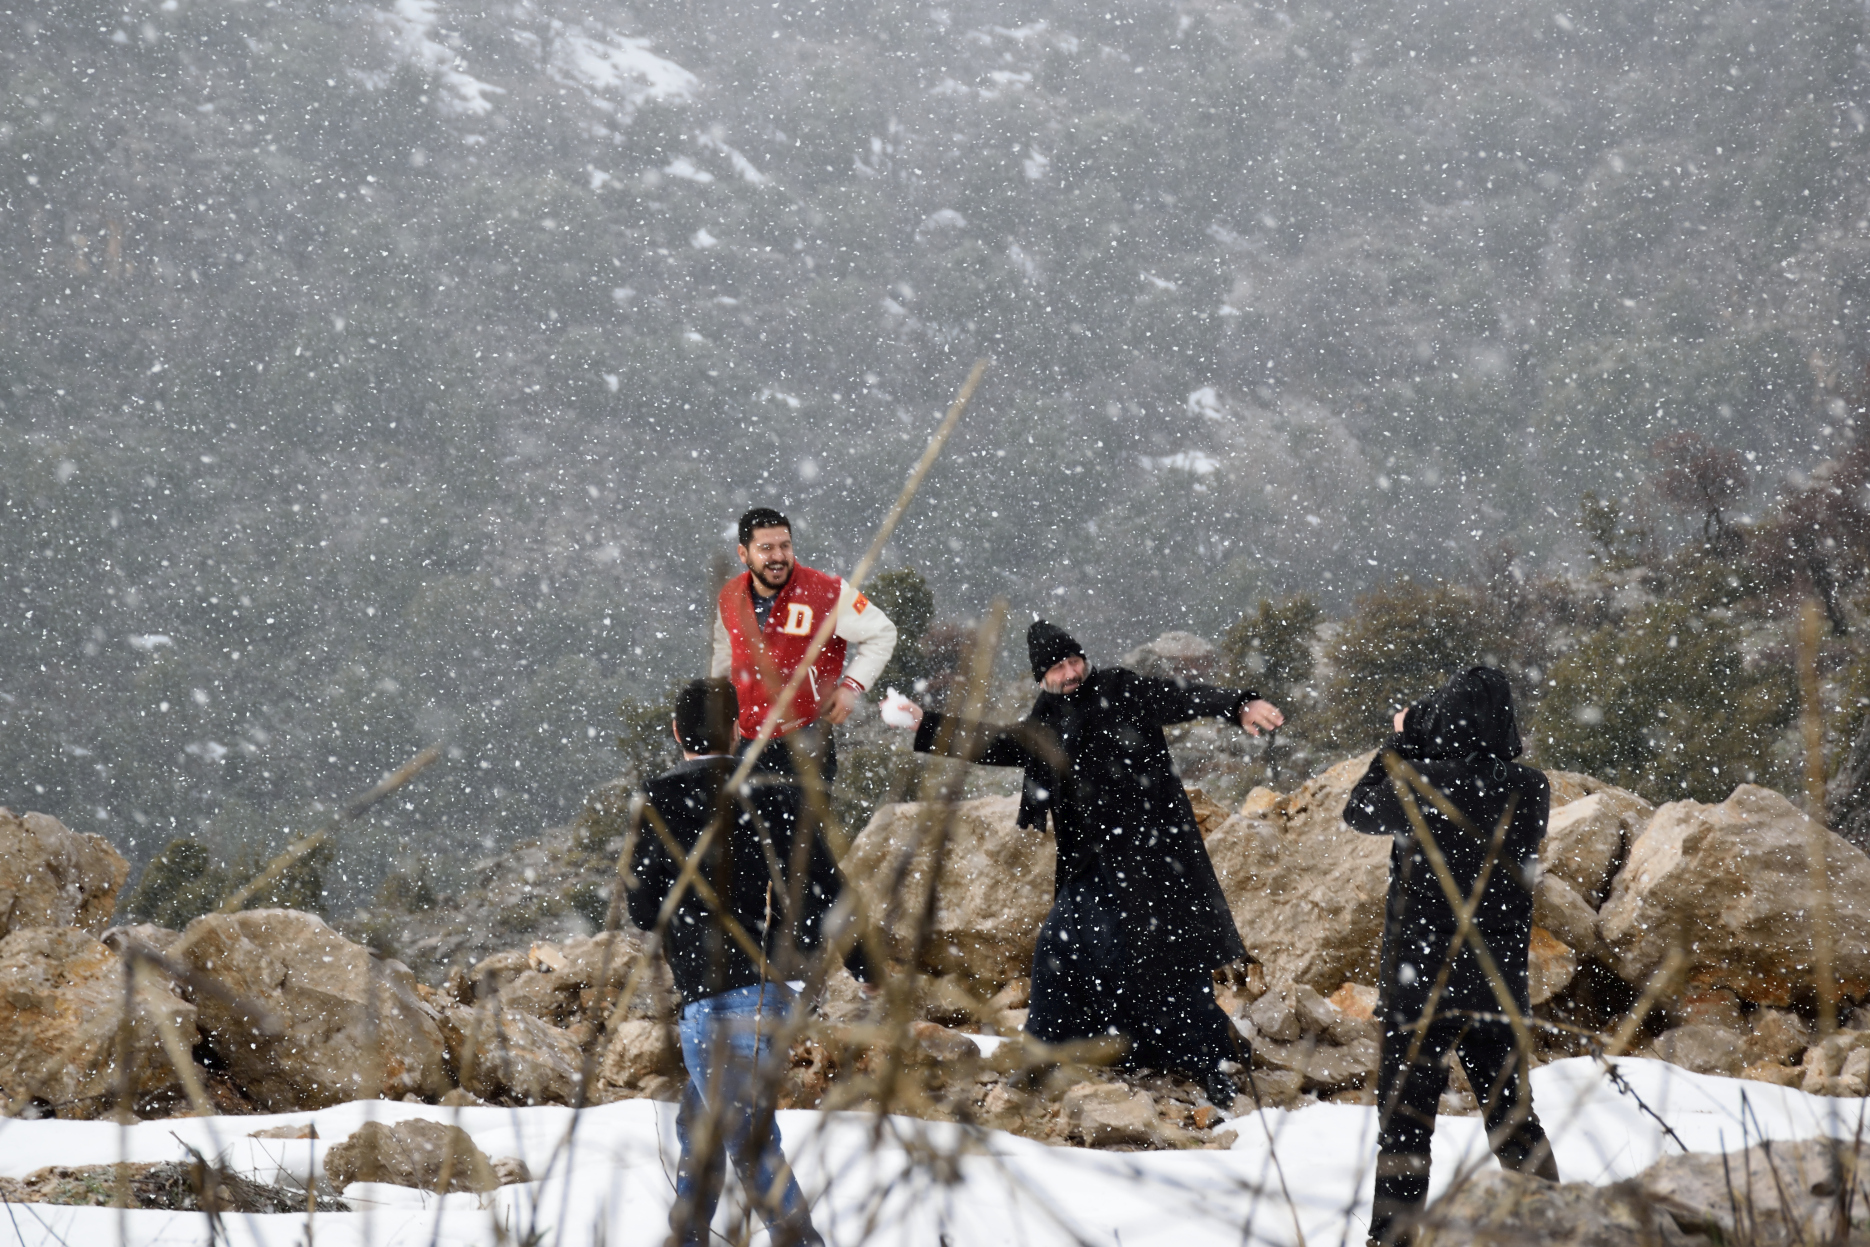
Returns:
<point x="769" y="557"/>
<point x="1065" y="675"/>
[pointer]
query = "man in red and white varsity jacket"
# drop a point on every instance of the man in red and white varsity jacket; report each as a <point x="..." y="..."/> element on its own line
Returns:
<point x="765" y="622"/>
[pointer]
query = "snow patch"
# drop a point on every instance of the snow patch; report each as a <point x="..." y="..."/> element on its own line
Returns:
<point x="1205" y="402"/>
<point x="744" y="169"/>
<point x="408" y="26"/>
<point x="702" y="240"/>
<point x="618" y="66"/>
<point x="1200" y="463"/>
<point x="614" y="1186"/>
<point x="150" y="642"/>
<point x="684" y="168"/>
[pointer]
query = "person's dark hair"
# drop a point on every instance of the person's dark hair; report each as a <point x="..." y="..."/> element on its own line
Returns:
<point x="761" y="517"/>
<point x="705" y="711"/>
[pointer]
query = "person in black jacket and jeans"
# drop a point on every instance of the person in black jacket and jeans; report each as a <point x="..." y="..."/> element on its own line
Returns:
<point x="1138" y="921"/>
<point x="731" y="1006"/>
<point x="1461" y="740"/>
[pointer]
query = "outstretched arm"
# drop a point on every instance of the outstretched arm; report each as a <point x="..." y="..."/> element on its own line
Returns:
<point x="986" y="744"/>
<point x="1178" y="701"/>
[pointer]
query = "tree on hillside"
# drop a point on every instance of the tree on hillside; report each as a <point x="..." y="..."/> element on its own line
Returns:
<point x="1270" y="651"/>
<point x="1700" y="478"/>
<point x="1401" y="642"/>
<point x="1665" y="704"/>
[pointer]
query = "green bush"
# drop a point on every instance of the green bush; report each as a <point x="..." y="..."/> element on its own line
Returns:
<point x="1666" y="705"/>
<point x="179" y="885"/>
<point x="1401" y="641"/>
<point x="1270" y="650"/>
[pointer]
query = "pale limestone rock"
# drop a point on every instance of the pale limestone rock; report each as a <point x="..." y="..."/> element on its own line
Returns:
<point x="1585" y="839"/>
<point x="1323" y="1066"/>
<point x="577" y="981"/>
<point x="51" y="876"/>
<point x="995" y="888"/>
<point x="1777" y="1035"/>
<point x="1703" y="1048"/>
<point x="644" y="1059"/>
<point x="513" y="1057"/>
<point x="1781" y="1193"/>
<point x="427" y="1155"/>
<point x="1730" y="884"/>
<point x="337" y="1039"/>
<point x="1355" y="1000"/>
<point x="61" y="1003"/>
<point x="1550" y="966"/>
<point x="1107" y="1114"/>
<point x="1560" y="910"/>
<point x="1306" y="891"/>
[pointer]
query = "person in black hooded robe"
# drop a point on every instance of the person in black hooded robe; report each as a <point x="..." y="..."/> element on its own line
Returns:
<point x="1462" y="740"/>
<point x="1138" y="922"/>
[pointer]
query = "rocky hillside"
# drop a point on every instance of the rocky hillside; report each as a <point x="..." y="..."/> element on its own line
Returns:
<point x="518" y="996"/>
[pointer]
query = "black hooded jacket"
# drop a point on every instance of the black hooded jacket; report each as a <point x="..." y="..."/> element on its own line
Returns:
<point x="1462" y="739"/>
<point x="704" y="959"/>
<point x="1096" y="760"/>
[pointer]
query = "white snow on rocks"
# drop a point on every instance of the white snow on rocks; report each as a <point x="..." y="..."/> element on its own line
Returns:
<point x="618" y="72"/>
<point x="616" y="1185"/>
<point x="408" y="26"/>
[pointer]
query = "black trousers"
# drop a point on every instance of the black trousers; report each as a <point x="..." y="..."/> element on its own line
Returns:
<point x="776" y="758"/>
<point x="1088" y="981"/>
<point x="1409" y="1094"/>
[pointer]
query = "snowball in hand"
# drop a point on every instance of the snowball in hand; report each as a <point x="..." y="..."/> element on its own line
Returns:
<point x="897" y="710"/>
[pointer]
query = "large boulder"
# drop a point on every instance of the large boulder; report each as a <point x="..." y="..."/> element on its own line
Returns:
<point x="334" y="1038"/>
<point x="576" y="981"/>
<point x="1586" y="839"/>
<point x="1781" y="1192"/>
<point x="51" y="876"/>
<point x="511" y="1057"/>
<point x="61" y="1005"/>
<point x="1730" y="885"/>
<point x="995" y="886"/>
<point x="427" y="1155"/>
<point x="1561" y="911"/>
<point x="1306" y="891"/>
<point x="644" y="1059"/>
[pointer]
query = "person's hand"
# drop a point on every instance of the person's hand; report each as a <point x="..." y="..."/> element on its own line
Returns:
<point x="1398" y="720"/>
<point x="899" y="712"/>
<point x="1258" y="715"/>
<point x="843" y="702"/>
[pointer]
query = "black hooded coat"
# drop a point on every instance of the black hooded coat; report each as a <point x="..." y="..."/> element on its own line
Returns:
<point x="1130" y="858"/>
<point x="1462" y="740"/>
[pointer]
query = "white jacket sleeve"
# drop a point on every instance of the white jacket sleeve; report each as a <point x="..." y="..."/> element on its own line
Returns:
<point x="722" y="664"/>
<point x="868" y="632"/>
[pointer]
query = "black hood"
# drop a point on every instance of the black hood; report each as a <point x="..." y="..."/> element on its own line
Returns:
<point x="1471" y="714"/>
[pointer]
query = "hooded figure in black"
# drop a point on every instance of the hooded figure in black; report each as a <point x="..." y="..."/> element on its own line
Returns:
<point x="1138" y="921"/>
<point x="1462" y="740"/>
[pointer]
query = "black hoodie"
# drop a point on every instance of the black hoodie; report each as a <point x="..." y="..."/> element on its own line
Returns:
<point x="1461" y="739"/>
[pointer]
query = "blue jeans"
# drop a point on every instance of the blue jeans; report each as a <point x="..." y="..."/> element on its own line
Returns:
<point x="718" y="1046"/>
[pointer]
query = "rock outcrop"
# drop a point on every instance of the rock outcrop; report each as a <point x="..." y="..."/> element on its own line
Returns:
<point x="644" y="1058"/>
<point x="51" y="876"/>
<point x="1778" y="1193"/>
<point x="427" y="1155"/>
<point x="1586" y="839"/>
<point x="61" y="1005"/>
<point x="508" y="1057"/>
<point x="1730" y="885"/>
<point x="1306" y="891"/>
<point x="347" y="1025"/>
<point x="995" y="887"/>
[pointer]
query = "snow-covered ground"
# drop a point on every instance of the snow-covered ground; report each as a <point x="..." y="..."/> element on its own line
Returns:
<point x="902" y="1181"/>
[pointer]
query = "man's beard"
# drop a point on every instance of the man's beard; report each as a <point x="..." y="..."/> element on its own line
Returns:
<point x="774" y="575"/>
